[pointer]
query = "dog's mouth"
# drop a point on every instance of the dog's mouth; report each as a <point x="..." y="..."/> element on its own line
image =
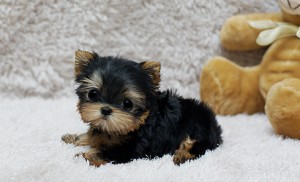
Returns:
<point x="117" y="122"/>
<point x="99" y="122"/>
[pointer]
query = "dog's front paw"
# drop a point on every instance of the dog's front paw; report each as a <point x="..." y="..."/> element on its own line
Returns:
<point x="181" y="156"/>
<point x="69" y="138"/>
<point x="93" y="159"/>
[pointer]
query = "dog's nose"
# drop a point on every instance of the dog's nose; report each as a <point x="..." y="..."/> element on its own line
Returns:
<point x="106" y="111"/>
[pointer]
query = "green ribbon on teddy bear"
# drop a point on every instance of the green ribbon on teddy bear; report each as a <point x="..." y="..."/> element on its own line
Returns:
<point x="275" y="31"/>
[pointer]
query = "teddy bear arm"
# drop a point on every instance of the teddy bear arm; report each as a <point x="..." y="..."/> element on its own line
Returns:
<point x="238" y="35"/>
<point x="230" y="89"/>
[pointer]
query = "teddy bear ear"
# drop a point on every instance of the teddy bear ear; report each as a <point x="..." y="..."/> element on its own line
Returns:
<point x="82" y="58"/>
<point x="153" y="70"/>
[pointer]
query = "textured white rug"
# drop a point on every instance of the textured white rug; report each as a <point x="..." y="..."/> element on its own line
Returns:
<point x="31" y="150"/>
<point x="37" y="44"/>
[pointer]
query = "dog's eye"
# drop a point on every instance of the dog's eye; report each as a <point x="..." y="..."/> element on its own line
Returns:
<point x="127" y="104"/>
<point x="93" y="94"/>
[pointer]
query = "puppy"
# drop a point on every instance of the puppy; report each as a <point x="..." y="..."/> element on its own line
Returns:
<point x="130" y="118"/>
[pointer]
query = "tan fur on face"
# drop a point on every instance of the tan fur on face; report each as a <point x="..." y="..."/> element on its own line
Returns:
<point x="144" y="116"/>
<point x="134" y="95"/>
<point x="137" y="97"/>
<point x="94" y="82"/>
<point x="121" y="123"/>
<point x="118" y="123"/>
<point x="90" y="112"/>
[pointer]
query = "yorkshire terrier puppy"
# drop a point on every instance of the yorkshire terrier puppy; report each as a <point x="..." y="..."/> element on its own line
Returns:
<point x="130" y="118"/>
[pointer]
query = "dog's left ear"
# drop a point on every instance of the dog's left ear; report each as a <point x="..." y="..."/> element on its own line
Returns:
<point x="82" y="58"/>
<point x="153" y="69"/>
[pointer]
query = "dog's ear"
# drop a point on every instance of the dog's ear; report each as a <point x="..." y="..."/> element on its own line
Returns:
<point x="153" y="69"/>
<point x="82" y="58"/>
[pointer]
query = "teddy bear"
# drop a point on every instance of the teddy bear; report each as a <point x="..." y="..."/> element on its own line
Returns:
<point x="273" y="86"/>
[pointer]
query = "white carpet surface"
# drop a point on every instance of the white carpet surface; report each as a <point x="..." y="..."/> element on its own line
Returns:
<point x="31" y="150"/>
<point x="37" y="44"/>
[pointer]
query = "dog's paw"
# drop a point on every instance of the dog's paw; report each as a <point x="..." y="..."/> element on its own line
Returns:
<point x="93" y="159"/>
<point x="69" y="138"/>
<point x="181" y="156"/>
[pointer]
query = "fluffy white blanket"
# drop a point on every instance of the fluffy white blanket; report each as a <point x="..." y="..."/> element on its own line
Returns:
<point x="31" y="150"/>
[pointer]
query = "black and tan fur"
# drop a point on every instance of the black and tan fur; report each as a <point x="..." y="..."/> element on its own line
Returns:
<point x="130" y="118"/>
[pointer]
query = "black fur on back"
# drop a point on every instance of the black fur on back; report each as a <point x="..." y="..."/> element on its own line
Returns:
<point x="170" y="122"/>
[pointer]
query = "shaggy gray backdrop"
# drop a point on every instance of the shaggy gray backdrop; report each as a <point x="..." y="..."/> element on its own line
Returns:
<point x="38" y="39"/>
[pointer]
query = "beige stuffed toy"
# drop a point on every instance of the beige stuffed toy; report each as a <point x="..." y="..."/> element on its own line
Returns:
<point x="274" y="85"/>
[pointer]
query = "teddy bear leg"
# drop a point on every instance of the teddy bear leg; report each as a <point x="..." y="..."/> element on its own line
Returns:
<point x="238" y="35"/>
<point x="283" y="107"/>
<point x="230" y="89"/>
